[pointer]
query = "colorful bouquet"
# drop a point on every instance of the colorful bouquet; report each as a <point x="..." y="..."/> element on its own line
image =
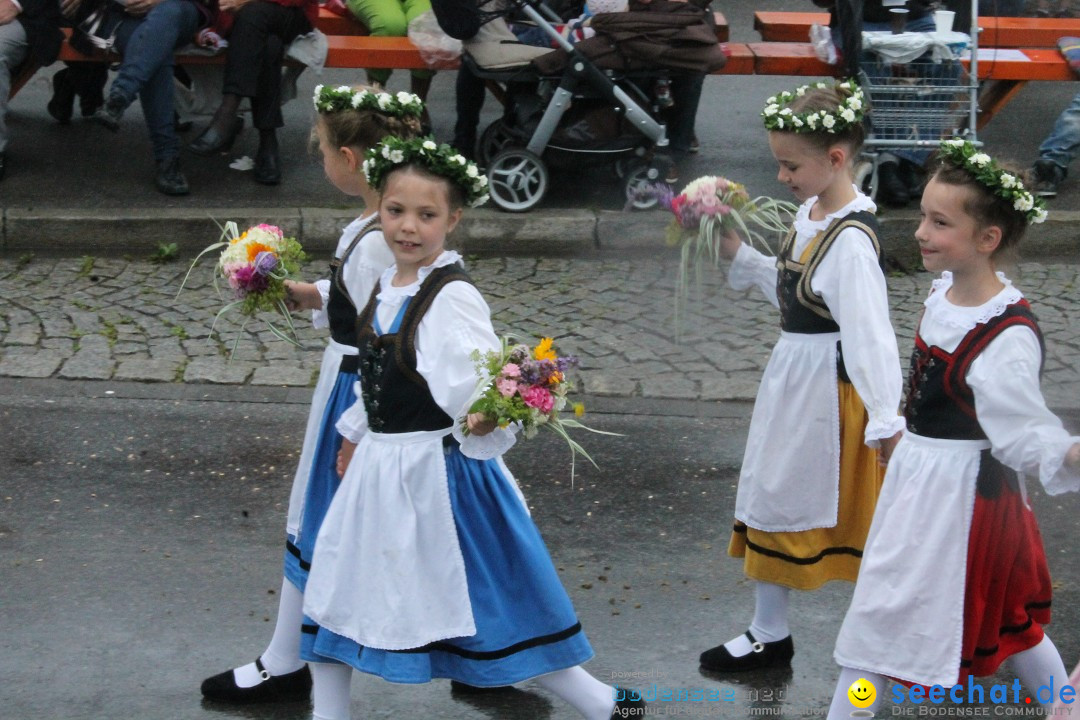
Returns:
<point x="256" y="264"/>
<point x="528" y="386"/>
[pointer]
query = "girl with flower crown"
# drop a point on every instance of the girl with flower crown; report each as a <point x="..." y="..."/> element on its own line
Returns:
<point x="428" y="564"/>
<point x="954" y="579"/>
<point x="349" y="122"/>
<point x="831" y="390"/>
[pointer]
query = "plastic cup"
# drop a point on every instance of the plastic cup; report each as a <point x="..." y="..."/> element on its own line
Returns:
<point x="943" y="20"/>
<point x="898" y="19"/>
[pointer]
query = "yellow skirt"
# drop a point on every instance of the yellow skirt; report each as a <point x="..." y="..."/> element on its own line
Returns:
<point x="808" y="559"/>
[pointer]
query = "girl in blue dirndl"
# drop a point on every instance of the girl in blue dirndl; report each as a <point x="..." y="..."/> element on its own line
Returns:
<point x="349" y="122"/>
<point x="428" y="564"/>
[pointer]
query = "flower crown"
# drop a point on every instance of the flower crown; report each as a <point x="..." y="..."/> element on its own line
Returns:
<point x="963" y="154"/>
<point x="343" y="97"/>
<point x="778" y="116"/>
<point x="442" y="160"/>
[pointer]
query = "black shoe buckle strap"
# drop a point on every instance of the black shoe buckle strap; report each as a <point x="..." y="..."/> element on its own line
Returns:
<point x="263" y="673"/>
<point x="754" y="644"/>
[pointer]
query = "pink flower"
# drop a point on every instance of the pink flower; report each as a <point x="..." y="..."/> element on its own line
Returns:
<point x="539" y="398"/>
<point x="506" y="386"/>
<point x="510" y="370"/>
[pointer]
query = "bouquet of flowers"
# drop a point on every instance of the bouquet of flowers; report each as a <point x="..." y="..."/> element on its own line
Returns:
<point x="255" y="264"/>
<point x="710" y="206"/>
<point x="529" y="386"/>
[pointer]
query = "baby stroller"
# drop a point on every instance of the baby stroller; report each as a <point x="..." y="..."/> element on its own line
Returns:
<point x="918" y="93"/>
<point x="588" y="103"/>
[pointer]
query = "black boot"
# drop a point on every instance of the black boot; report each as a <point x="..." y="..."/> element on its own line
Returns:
<point x="62" y="103"/>
<point x="891" y="189"/>
<point x="763" y="655"/>
<point x="267" y="163"/>
<point x="169" y="178"/>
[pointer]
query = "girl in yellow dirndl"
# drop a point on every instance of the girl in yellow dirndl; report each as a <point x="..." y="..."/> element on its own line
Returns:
<point x="830" y="395"/>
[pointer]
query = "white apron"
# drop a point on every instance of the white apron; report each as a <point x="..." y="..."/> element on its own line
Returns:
<point x="387" y="570"/>
<point x="790" y="478"/>
<point x="906" y="618"/>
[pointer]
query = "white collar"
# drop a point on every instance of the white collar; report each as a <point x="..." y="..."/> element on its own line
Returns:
<point x="858" y="204"/>
<point x="389" y="293"/>
<point x="965" y="318"/>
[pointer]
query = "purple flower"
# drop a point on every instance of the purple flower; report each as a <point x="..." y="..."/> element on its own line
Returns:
<point x="265" y="263"/>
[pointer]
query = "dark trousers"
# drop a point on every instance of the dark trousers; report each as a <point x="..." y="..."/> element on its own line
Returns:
<point x="260" y="34"/>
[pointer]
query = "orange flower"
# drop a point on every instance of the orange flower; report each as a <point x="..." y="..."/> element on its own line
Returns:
<point x="255" y="248"/>
<point x="543" y="351"/>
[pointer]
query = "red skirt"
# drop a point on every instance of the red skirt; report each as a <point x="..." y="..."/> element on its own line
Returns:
<point x="1007" y="591"/>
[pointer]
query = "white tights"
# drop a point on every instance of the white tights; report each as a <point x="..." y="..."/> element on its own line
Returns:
<point x="770" y="618"/>
<point x="282" y="655"/>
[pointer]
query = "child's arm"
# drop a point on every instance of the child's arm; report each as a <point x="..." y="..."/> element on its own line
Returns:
<point x="304" y="295"/>
<point x="1023" y="432"/>
<point x="352" y="425"/>
<point x="749" y="268"/>
<point x="852" y="284"/>
<point x="457" y="324"/>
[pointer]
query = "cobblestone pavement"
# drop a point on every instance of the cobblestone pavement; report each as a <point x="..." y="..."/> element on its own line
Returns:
<point x="120" y="319"/>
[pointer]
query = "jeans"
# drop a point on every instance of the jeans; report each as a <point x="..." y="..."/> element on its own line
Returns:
<point x="1060" y="146"/>
<point x="147" y="45"/>
<point x="13" y="48"/>
<point x="686" y="92"/>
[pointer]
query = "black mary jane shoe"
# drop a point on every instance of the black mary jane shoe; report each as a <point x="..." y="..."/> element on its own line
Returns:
<point x="267" y="166"/>
<point x="629" y="708"/>
<point x="211" y="142"/>
<point x="291" y="687"/>
<point x="763" y="655"/>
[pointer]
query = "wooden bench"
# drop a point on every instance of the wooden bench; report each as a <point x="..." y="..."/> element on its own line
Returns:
<point x="349" y="46"/>
<point x="1002" y="32"/>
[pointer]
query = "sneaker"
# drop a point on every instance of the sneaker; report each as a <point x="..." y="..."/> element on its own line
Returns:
<point x="891" y="189"/>
<point x="110" y="114"/>
<point x="170" y="180"/>
<point x="1048" y="175"/>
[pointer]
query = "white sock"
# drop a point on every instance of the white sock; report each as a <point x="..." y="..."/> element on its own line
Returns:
<point x="841" y="707"/>
<point x="330" y="691"/>
<point x="1036" y="666"/>
<point x="590" y="697"/>
<point x="282" y="656"/>
<point x="770" y="619"/>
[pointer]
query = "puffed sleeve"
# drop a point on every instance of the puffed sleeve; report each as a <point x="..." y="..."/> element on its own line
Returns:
<point x="751" y="268"/>
<point x="320" y="318"/>
<point x="1023" y="433"/>
<point x="365" y="266"/>
<point x="353" y="422"/>
<point x="851" y="283"/>
<point x="457" y="323"/>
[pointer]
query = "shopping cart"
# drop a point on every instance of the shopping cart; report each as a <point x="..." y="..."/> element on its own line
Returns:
<point x="918" y="92"/>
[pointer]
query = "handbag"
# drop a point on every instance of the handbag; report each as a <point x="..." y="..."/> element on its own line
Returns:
<point x="96" y="30"/>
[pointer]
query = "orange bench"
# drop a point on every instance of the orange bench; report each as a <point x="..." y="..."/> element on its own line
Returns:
<point x="1002" y="32"/>
<point x="349" y="46"/>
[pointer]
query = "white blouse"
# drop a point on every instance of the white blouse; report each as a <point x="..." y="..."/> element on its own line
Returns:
<point x="360" y="272"/>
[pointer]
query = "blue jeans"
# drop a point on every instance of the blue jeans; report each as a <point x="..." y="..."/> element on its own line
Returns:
<point x="1060" y="146"/>
<point x="147" y="45"/>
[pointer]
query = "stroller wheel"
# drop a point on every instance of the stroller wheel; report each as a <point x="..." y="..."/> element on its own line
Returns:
<point x="639" y="185"/>
<point x="494" y="138"/>
<point x="517" y="179"/>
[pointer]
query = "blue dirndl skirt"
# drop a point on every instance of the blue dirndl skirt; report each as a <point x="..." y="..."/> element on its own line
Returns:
<point x="322" y="483"/>
<point x="525" y="622"/>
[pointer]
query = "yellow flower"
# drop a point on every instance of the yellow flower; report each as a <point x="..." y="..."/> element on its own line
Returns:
<point x="238" y="239"/>
<point x="543" y="351"/>
<point x="255" y="248"/>
<point x="579" y="409"/>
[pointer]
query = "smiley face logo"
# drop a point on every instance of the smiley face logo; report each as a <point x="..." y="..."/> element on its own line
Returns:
<point x="862" y="693"/>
